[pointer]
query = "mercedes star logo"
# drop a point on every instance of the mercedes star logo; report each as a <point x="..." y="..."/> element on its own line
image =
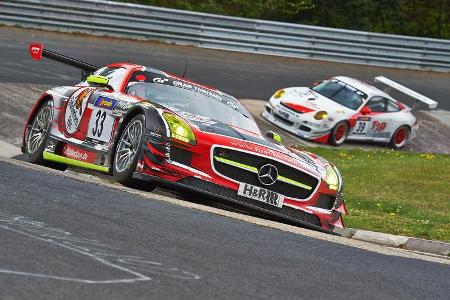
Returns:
<point x="268" y="174"/>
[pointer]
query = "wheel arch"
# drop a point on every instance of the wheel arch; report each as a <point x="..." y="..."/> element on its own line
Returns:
<point x="37" y="105"/>
<point x="349" y="128"/>
<point x="150" y="114"/>
<point x="403" y="125"/>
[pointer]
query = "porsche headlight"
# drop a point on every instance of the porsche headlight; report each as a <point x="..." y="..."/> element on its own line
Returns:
<point x="332" y="178"/>
<point x="179" y="129"/>
<point x="321" y="115"/>
<point x="279" y="94"/>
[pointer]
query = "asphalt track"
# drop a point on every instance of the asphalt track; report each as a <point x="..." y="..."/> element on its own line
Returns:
<point x="62" y="238"/>
<point x="70" y="239"/>
<point x="240" y="74"/>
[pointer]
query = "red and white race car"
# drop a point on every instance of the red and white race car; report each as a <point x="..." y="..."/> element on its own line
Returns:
<point x="344" y="108"/>
<point x="139" y="123"/>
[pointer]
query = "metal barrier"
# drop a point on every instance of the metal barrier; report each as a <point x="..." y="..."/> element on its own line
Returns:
<point x="227" y="33"/>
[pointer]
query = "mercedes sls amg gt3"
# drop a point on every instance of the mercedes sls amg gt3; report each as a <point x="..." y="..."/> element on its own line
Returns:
<point x="139" y="123"/>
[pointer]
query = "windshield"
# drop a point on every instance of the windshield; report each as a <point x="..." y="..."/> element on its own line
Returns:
<point x="341" y="93"/>
<point x="222" y="109"/>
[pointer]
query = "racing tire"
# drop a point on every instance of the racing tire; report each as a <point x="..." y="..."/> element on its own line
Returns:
<point x="400" y="137"/>
<point x="338" y="134"/>
<point x="126" y="154"/>
<point x="37" y="132"/>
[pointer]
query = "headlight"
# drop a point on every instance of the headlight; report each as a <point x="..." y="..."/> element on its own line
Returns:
<point x="320" y="115"/>
<point x="279" y="94"/>
<point x="332" y="178"/>
<point x="179" y="129"/>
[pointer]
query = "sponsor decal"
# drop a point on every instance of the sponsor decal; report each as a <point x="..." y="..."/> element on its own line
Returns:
<point x="267" y="152"/>
<point x="365" y="119"/>
<point x="160" y="80"/>
<point x="123" y="105"/>
<point x="105" y="102"/>
<point x="78" y="153"/>
<point x="75" y="107"/>
<point x="260" y="194"/>
<point x="383" y="134"/>
<point x="197" y="89"/>
<point x="149" y="134"/>
<point x="378" y="126"/>
<point x="51" y="146"/>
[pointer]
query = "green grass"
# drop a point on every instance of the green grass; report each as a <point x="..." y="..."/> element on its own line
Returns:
<point x="395" y="192"/>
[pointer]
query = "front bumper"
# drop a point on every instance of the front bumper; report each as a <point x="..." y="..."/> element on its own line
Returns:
<point x="286" y="213"/>
<point x="300" y="128"/>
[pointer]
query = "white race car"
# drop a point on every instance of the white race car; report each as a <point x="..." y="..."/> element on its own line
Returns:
<point x="343" y="108"/>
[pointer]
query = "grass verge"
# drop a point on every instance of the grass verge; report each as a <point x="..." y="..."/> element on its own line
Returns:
<point x="395" y="192"/>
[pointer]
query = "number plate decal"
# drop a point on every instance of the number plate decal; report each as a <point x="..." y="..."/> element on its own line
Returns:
<point x="361" y="126"/>
<point x="260" y="194"/>
<point x="100" y="125"/>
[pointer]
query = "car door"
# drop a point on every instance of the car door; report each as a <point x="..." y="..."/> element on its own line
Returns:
<point x="373" y="124"/>
<point x="380" y="121"/>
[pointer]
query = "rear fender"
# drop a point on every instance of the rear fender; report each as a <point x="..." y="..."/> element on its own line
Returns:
<point x="42" y="99"/>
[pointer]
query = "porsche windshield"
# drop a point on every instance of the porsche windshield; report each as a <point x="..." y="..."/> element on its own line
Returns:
<point x="341" y="93"/>
<point x="222" y="109"/>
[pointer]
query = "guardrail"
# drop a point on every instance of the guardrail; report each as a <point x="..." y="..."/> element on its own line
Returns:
<point x="228" y="33"/>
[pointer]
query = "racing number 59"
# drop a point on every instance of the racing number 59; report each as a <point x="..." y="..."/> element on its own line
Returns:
<point x="99" y="117"/>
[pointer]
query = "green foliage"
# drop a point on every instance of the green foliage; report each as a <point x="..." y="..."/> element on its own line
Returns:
<point x="424" y="18"/>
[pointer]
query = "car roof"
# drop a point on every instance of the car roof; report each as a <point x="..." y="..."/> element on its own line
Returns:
<point x="370" y="90"/>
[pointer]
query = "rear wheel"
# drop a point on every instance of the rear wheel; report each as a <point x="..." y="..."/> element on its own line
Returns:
<point x="400" y="137"/>
<point x="338" y="133"/>
<point x="37" y="133"/>
<point x="127" y="152"/>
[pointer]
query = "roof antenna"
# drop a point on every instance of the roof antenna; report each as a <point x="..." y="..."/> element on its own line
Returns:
<point x="185" y="69"/>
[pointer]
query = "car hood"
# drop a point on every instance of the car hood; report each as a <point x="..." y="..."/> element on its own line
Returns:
<point x="308" y="98"/>
<point x="227" y="135"/>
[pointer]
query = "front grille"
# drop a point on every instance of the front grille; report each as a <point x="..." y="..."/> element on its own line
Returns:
<point x="282" y="119"/>
<point x="253" y="160"/>
<point x="304" y="128"/>
<point x="232" y="195"/>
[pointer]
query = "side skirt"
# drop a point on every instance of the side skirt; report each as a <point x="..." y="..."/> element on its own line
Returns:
<point x="73" y="162"/>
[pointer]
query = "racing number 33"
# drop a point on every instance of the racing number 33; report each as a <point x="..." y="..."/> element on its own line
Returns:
<point x="100" y="125"/>
<point x="99" y="120"/>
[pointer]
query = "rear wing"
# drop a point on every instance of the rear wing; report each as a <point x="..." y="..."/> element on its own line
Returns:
<point x="37" y="51"/>
<point x="403" y="89"/>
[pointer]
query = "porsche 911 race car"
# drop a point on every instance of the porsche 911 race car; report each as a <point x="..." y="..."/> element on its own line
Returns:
<point x="137" y="122"/>
<point x="344" y="108"/>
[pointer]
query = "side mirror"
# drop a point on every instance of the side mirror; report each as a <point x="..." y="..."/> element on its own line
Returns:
<point x="274" y="136"/>
<point x="365" y="110"/>
<point x="98" y="80"/>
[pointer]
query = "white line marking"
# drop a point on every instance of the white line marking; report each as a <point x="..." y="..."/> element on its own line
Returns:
<point x="91" y="248"/>
<point x="139" y="277"/>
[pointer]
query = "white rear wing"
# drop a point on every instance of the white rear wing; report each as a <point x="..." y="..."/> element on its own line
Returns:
<point x="403" y="89"/>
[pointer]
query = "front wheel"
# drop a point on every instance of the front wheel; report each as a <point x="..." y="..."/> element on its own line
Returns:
<point x="37" y="133"/>
<point x="338" y="133"/>
<point x="127" y="152"/>
<point x="400" y="137"/>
